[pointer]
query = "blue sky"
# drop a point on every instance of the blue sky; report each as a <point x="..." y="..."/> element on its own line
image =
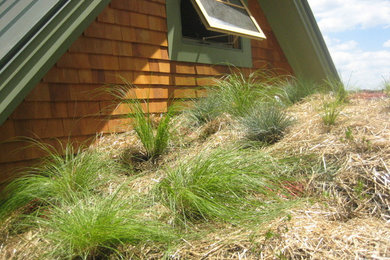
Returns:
<point x="357" y="33"/>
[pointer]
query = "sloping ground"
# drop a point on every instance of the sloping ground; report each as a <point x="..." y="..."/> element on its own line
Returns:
<point x="346" y="214"/>
<point x="310" y="232"/>
<point x="358" y="144"/>
<point x="315" y="233"/>
<point x="352" y="219"/>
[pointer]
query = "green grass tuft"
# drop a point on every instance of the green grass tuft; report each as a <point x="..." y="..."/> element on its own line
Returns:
<point x="237" y="93"/>
<point x="295" y="90"/>
<point x="234" y="94"/>
<point x="94" y="227"/>
<point x="337" y="88"/>
<point x="57" y="176"/>
<point x="230" y="185"/>
<point x="153" y="134"/>
<point x="331" y="112"/>
<point x="386" y="86"/>
<point x="155" y="140"/>
<point x="205" y="109"/>
<point x="265" y="122"/>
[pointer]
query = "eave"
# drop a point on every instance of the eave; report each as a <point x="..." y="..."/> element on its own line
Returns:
<point x="35" y="58"/>
<point x="297" y="32"/>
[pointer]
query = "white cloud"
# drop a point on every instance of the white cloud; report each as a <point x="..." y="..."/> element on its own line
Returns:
<point x="342" y="15"/>
<point x="359" y="68"/>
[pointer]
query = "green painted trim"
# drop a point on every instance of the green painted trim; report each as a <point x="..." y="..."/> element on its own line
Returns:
<point x="297" y="32"/>
<point x="21" y="20"/>
<point x="182" y="50"/>
<point x="38" y="56"/>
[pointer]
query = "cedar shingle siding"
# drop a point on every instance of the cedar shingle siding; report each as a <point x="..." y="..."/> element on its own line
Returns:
<point x="129" y="40"/>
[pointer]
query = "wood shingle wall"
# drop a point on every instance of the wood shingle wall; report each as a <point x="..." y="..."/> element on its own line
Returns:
<point x="128" y="40"/>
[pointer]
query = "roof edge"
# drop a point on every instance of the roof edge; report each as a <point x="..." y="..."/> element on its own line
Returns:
<point x="300" y="38"/>
<point x="307" y="15"/>
<point x="21" y="74"/>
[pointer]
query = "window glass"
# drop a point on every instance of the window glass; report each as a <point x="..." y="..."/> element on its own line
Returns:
<point x="193" y="29"/>
<point x="185" y="45"/>
<point x="228" y="16"/>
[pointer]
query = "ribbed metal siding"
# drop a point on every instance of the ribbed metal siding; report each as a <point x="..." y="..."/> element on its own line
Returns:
<point x="19" y="21"/>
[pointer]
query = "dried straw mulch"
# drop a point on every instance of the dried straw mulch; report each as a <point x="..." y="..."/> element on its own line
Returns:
<point x="355" y="152"/>
<point x="352" y="222"/>
<point x="310" y="233"/>
<point x="314" y="233"/>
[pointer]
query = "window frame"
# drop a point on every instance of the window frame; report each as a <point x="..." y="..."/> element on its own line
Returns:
<point x="214" y="25"/>
<point x="181" y="49"/>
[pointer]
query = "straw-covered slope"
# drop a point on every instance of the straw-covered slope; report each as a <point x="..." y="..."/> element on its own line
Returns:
<point x="333" y="201"/>
<point x="349" y="216"/>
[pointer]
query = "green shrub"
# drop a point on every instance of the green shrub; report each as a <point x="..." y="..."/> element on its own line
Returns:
<point x="227" y="184"/>
<point x="265" y="122"/>
<point x="58" y="175"/>
<point x="93" y="227"/>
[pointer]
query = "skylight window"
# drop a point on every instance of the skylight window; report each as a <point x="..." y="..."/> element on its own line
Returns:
<point x="228" y="16"/>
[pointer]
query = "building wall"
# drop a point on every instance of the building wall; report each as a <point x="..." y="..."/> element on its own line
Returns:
<point x="128" y="40"/>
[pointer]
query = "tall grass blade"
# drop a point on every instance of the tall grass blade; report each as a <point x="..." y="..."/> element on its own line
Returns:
<point x="338" y="89"/>
<point x="94" y="227"/>
<point x="155" y="139"/>
<point x="331" y="113"/>
<point x="56" y="177"/>
<point x="295" y="90"/>
<point x="230" y="185"/>
<point x="234" y="94"/>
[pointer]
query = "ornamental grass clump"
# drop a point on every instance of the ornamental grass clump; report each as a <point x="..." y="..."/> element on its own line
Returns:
<point x="94" y="226"/>
<point x="154" y="139"/>
<point x="295" y="90"/>
<point x="153" y="134"/>
<point x="265" y="122"/>
<point x="60" y="174"/>
<point x="234" y="94"/>
<point x="231" y="185"/>
<point x="205" y="109"/>
<point x="237" y="93"/>
<point x="337" y="88"/>
<point x="331" y="111"/>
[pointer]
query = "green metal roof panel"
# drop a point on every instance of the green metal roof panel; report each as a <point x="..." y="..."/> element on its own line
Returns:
<point x="62" y="24"/>
<point x="294" y="26"/>
<point x="18" y="21"/>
